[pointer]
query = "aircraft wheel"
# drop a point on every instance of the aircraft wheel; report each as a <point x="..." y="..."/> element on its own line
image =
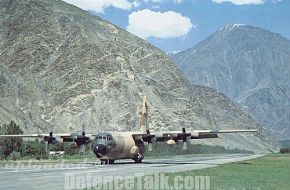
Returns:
<point x="104" y="162"/>
<point x="138" y="160"/>
<point x="111" y="161"/>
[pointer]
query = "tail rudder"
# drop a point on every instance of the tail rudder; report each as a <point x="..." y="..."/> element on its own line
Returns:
<point x="144" y="116"/>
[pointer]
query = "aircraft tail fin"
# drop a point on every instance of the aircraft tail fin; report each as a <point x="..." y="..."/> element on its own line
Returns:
<point x="144" y="116"/>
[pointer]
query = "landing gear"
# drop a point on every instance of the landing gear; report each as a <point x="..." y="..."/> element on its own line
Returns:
<point x="106" y="162"/>
<point x="138" y="159"/>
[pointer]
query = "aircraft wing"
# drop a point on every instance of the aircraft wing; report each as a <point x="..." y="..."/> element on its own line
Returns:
<point x="52" y="138"/>
<point x="203" y="134"/>
<point x="36" y="135"/>
<point x="79" y="139"/>
<point x="161" y="136"/>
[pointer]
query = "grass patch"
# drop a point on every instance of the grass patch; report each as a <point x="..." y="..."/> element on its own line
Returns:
<point x="271" y="172"/>
<point x="167" y="151"/>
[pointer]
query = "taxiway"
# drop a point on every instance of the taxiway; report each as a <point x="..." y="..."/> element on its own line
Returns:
<point x="52" y="176"/>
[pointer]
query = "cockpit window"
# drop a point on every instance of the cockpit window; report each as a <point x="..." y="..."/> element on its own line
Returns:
<point x="106" y="137"/>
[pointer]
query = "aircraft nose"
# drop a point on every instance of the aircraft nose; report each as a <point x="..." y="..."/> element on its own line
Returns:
<point x="100" y="150"/>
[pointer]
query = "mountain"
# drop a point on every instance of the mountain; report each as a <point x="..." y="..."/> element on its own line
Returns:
<point x="251" y="66"/>
<point x="62" y="67"/>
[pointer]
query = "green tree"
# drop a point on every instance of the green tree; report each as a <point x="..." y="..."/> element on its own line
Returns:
<point x="74" y="150"/>
<point x="32" y="148"/>
<point x="9" y="145"/>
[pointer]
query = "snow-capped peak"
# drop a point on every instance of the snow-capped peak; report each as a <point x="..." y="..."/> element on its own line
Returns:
<point x="172" y="52"/>
<point x="231" y="27"/>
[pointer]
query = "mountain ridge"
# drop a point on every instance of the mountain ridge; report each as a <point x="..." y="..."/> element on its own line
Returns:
<point x="243" y="61"/>
<point x="64" y="68"/>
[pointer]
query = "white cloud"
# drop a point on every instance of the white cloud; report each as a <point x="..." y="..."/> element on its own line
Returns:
<point x="178" y="1"/>
<point x="241" y="2"/>
<point x="156" y="1"/>
<point x="100" y="5"/>
<point x="136" y="3"/>
<point x="276" y="1"/>
<point x="147" y="23"/>
<point x="160" y="1"/>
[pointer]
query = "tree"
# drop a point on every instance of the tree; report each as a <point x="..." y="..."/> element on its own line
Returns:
<point x="32" y="148"/>
<point x="285" y="150"/>
<point x="9" y="145"/>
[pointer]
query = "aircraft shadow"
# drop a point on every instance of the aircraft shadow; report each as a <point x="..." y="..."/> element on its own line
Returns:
<point x="159" y="162"/>
<point x="178" y="163"/>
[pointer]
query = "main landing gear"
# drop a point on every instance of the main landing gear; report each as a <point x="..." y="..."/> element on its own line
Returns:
<point x="138" y="159"/>
<point x="106" y="162"/>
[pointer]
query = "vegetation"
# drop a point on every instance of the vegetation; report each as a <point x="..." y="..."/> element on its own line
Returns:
<point x="162" y="149"/>
<point x="270" y="172"/>
<point x="285" y="150"/>
<point x="10" y="146"/>
<point x="285" y="147"/>
<point x="266" y="173"/>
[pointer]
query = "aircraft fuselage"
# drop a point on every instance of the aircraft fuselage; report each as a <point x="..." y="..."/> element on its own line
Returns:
<point x="116" y="146"/>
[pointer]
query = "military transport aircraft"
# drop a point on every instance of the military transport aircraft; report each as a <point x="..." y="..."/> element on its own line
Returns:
<point x="111" y="146"/>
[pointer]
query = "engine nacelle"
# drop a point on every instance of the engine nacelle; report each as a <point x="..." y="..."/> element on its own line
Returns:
<point x="91" y="137"/>
<point x="58" y="140"/>
<point x="73" y="144"/>
<point x="194" y="135"/>
<point x="171" y="142"/>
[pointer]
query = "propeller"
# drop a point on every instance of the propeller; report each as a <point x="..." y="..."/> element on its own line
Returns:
<point x="46" y="146"/>
<point x="82" y="140"/>
<point x="83" y="132"/>
<point x="50" y="139"/>
<point x="82" y="149"/>
<point x="184" y="139"/>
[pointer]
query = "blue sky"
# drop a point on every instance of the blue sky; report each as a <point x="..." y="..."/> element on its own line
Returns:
<point x="175" y="25"/>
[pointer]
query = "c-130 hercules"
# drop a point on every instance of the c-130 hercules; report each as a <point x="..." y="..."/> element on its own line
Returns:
<point x="111" y="146"/>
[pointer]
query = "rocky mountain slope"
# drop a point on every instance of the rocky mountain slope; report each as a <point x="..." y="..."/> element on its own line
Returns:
<point x="63" y="67"/>
<point x="251" y="66"/>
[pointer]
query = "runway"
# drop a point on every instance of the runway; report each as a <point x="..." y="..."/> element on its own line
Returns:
<point x="29" y="176"/>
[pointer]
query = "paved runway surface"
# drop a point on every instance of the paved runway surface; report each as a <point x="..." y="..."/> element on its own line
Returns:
<point x="52" y="176"/>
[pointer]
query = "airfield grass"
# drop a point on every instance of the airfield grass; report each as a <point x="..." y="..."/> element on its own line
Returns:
<point x="270" y="172"/>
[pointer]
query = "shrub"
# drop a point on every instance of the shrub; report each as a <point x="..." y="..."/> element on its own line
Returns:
<point x="285" y="150"/>
<point x="14" y="156"/>
<point x="9" y="145"/>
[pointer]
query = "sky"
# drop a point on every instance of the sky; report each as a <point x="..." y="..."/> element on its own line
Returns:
<point x="176" y="25"/>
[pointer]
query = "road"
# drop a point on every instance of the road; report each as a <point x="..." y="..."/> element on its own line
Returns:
<point x="55" y="176"/>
